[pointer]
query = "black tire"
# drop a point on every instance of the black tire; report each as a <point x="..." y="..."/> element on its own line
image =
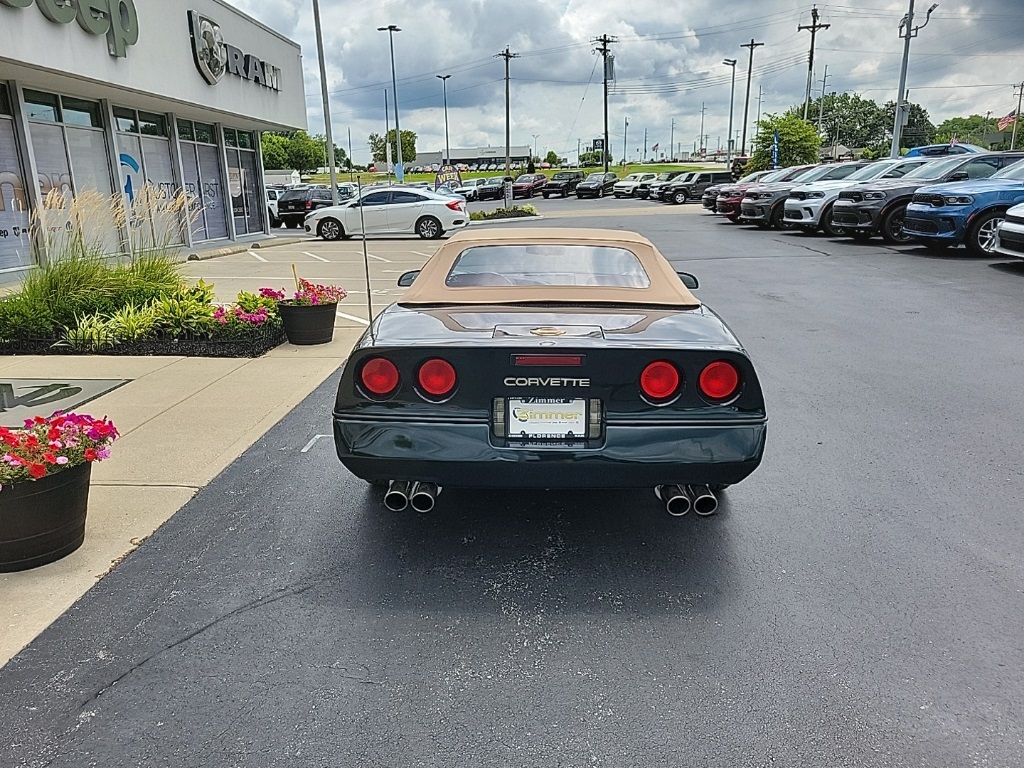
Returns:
<point x="292" y="224"/>
<point x="981" y="236"/>
<point x="678" y="198"/>
<point x="892" y="225"/>
<point x="545" y="195"/>
<point x="826" y="224"/>
<point x="777" y="218"/>
<point x="330" y="229"/>
<point x="429" y="228"/>
<point x="275" y="223"/>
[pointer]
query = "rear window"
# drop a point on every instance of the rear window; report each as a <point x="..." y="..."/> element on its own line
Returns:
<point x="564" y="176"/>
<point x="494" y="266"/>
<point x="295" y="194"/>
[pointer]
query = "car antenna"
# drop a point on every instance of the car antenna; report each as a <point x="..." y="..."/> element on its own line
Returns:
<point x="366" y="256"/>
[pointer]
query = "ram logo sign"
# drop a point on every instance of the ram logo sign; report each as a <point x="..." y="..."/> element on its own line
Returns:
<point x="214" y="58"/>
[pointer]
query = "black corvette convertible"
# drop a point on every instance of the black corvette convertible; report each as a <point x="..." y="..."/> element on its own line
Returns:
<point x="550" y="358"/>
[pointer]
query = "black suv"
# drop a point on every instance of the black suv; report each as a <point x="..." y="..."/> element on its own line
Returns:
<point x="880" y="206"/>
<point x="691" y="187"/>
<point x="295" y="203"/>
<point x="563" y="183"/>
<point x="643" y="189"/>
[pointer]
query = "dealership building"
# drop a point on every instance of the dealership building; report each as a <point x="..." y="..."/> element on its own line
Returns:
<point x="114" y="95"/>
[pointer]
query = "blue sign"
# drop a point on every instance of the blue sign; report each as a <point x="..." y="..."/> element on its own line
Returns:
<point x="399" y="172"/>
<point x="775" y="150"/>
<point x="129" y="162"/>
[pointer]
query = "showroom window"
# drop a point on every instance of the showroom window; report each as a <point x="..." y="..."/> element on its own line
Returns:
<point x="200" y="162"/>
<point x="147" y="179"/>
<point x="243" y="182"/>
<point x="14" y="215"/>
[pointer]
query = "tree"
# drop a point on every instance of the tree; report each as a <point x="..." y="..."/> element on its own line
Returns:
<point x="340" y="155"/>
<point x="859" y="122"/>
<point x="378" y="150"/>
<point x="275" y="151"/>
<point x="972" y="130"/>
<point x="551" y="157"/>
<point x="530" y="167"/>
<point x="918" y="130"/>
<point x="799" y="142"/>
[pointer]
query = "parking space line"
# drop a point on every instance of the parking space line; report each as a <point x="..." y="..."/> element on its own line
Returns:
<point x="420" y="253"/>
<point x="314" y="256"/>
<point x="379" y="258"/>
<point x="257" y="257"/>
<point x="353" y="317"/>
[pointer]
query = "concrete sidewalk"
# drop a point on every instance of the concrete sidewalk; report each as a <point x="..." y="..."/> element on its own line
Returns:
<point x="182" y="421"/>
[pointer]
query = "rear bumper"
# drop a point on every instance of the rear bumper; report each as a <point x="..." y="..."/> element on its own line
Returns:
<point x="467" y="455"/>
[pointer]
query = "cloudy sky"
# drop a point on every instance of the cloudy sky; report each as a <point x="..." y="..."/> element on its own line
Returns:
<point x="668" y="62"/>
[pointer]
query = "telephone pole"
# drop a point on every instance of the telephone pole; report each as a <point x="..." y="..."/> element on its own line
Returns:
<point x="645" y="144"/>
<point x="625" y="133"/>
<point x="821" y="103"/>
<point x="672" y="138"/>
<point x="746" y="104"/>
<point x="907" y="31"/>
<point x="703" y="109"/>
<point x="604" y="50"/>
<point x="813" y="28"/>
<point x="507" y="55"/>
<point x="327" y="104"/>
<point x="1016" y="117"/>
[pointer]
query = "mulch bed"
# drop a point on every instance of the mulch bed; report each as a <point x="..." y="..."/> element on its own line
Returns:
<point x="252" y="345"/>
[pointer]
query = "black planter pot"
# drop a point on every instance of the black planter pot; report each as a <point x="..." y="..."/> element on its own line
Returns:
<point x="313" y="324"/>
<point x="43" y="520"/>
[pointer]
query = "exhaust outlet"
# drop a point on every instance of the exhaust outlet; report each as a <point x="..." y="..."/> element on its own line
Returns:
<point x="677" y="500"/>
<point x="704" y="501"/>
<point x="423" y="496"/>
<point x="396" y="498"/>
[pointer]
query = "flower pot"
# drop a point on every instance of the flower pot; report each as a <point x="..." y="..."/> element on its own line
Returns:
<point x="308" y="324"/>
<point x="43" y="520"/>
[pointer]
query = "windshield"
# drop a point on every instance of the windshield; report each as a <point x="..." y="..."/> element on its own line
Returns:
<point x="595" y="177"/>
<point x="557" y="265"/>
<point x="872" y="171"/>
<point x="752" y="177"/>
<point x="633" y="177"/>
<point x="1014" y="172"/>
<point x="805" y="174"/>
<point x="663" y="177"/>
<point x="936" y="169"/>
<point x="525" y="177"/>
<point x="564" y="176"/>
<point x="495" y="181"/>
<point x="774" y="176"/>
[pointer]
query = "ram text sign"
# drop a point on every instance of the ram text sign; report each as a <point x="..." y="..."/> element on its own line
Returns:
<point x="117" y="19"/>
<point x="214" y="57"/>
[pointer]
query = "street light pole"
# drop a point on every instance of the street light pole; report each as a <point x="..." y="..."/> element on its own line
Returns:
<point x="625" y="133"/>
<point x="399" y="170"/>
<point x="535" y="135"/>
<point x="732" y="101"/>
<point x="444" y="90"/>
<point x="907" y="31"/>
<point x="327" y="103"/>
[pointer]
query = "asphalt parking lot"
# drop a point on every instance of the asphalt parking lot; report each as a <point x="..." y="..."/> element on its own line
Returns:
<point x="856" y="602"/>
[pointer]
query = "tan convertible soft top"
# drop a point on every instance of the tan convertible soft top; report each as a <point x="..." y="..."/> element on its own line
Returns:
<point x="666" y="288"/>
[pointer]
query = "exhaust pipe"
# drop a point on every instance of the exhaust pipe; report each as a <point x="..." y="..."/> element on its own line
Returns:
<point x="396" y="498"/>
<point x="422" y="497"/>
<point x="704" y="501"/>
<point x="677" y="500"/>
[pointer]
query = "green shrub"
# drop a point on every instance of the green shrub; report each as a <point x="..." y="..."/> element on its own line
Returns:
<point x="146" y="278"/>
<point x="23" y="318"/>
<point x="251" y="302"/>
<point x="134" y="322"/>
<point x="70" y="288"/>
<point x="184" y="315"/>
<point x="92" y="333"/>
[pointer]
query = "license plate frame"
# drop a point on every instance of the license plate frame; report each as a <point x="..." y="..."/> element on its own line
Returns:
<point x="568" y="421"/>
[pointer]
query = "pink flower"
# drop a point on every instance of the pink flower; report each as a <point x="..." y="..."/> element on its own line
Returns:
<point x="102" y="453"/>
<point x="62" y="460"/>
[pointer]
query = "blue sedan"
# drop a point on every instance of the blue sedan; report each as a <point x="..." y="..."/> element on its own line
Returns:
<point x="965" y="212"/>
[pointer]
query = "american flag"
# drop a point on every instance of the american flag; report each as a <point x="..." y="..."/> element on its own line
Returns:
<point x="1010" y="119"/>
<point x="954" y="141"/>
<point x="654" y="148"/>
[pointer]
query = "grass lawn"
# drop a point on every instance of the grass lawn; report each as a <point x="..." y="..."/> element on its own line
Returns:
<point x="323" y="178"/>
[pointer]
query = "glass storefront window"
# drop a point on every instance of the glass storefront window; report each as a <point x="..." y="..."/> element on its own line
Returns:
<point x="5" y="101"/>
<point x="185" y="132"/>
<point x="245" y="140"/>
<point x="42" y="106"/>
<point x="230" y="137"/>
<point x="204" y="133"/>
<point x="81" y="112"/>
<point x="152" y="124"/>
<point x="125" y="120"/>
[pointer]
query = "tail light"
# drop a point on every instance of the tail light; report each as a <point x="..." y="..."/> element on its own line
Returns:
<point x="309" y="204"/>
<point x="719" y="380"/>
<point x="379" y="376"/>
<point x="659" y="380"/>
<point x="437" y="377"/>
<point x="455" y="205"/>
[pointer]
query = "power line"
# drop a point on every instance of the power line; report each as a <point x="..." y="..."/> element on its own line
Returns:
<point x="813" y="28"/>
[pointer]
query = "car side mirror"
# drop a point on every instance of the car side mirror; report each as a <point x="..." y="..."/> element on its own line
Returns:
<point x="959" y="176"/>
<point x="407" y="278"/>
<point x="690" y="281"/>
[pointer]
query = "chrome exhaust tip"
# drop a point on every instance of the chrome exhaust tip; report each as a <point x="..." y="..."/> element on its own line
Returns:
<point x="396" y="498"/>
<point x="704" y="501"/>
<point x="423" y="496"/>
<point x="677" y="500"/>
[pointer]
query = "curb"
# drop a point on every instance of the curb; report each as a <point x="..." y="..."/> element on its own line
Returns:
<point x="242" y="247"/>
<point x="512" y="220"/>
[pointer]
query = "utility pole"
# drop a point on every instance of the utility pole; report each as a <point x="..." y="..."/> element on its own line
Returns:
<point x="732" y="100"/>
<point x="813" y="28"/>
<point x="327" y="103"/>
<point x="672" y="138"/>
<point x="350" y="161"/>
<point x="907" y="31"/>
<point x="625" y="133"/>
<point x="703" y="148"/>
<point x="645" y="145"/>
<point x="1016" y="117"/>
<point x="578" y="163"/>
<point x="507" y="55"/>
<point x="759" y="110"/>
<point x="604" y="50"/>
<point x="444" y="90"/>
<point x="746" y="104"/>
<point x="821" y="103"/>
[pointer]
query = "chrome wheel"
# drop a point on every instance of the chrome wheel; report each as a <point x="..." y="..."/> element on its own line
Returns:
<point x="987" y="234"/>
<point x="429" y="228"/>
<point x="330" y="229"/>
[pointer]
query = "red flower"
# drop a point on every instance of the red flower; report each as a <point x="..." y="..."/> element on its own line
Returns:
<point x="53" y="434"/>
<point x="90" y="454"/>
<point x="37" y="470"/>
<point x="12" y="440"/>
<point x="39" y="420"/>
<point x="49" y="458"/>
<point x="31" y="441"/>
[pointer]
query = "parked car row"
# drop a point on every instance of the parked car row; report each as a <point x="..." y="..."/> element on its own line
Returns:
<point x="940" y="201"/>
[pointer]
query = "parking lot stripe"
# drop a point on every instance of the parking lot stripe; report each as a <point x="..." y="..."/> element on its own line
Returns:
<point x="314" y="256"/>
<point x="257" y="257"/>
<point x="420" y="253"/>
<point x="353" y="317"/>
<point x="379" y="258"/>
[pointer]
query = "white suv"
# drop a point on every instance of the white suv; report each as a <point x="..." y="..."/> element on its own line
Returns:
<point x="627" y="187"/>
<point x="272" y="195"/>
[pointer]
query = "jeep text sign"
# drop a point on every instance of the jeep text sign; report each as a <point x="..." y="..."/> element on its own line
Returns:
<point x="214" y="57"/>
<point x="117" y="19"/>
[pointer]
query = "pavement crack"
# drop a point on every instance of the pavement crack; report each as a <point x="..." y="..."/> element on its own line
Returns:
<point x="801" y="245"/>
<point x="260" y="602"/>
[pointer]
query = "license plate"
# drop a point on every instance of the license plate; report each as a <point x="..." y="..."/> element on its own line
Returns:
<point x="537" y="418"/>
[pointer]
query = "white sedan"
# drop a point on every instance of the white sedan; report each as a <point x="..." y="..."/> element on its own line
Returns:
<point x="390" y="211"/>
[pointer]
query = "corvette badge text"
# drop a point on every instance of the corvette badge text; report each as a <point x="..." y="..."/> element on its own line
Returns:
<point x="117" y="19"/>
<point x="214" y="57"/>
<point x="512" y="381"/>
